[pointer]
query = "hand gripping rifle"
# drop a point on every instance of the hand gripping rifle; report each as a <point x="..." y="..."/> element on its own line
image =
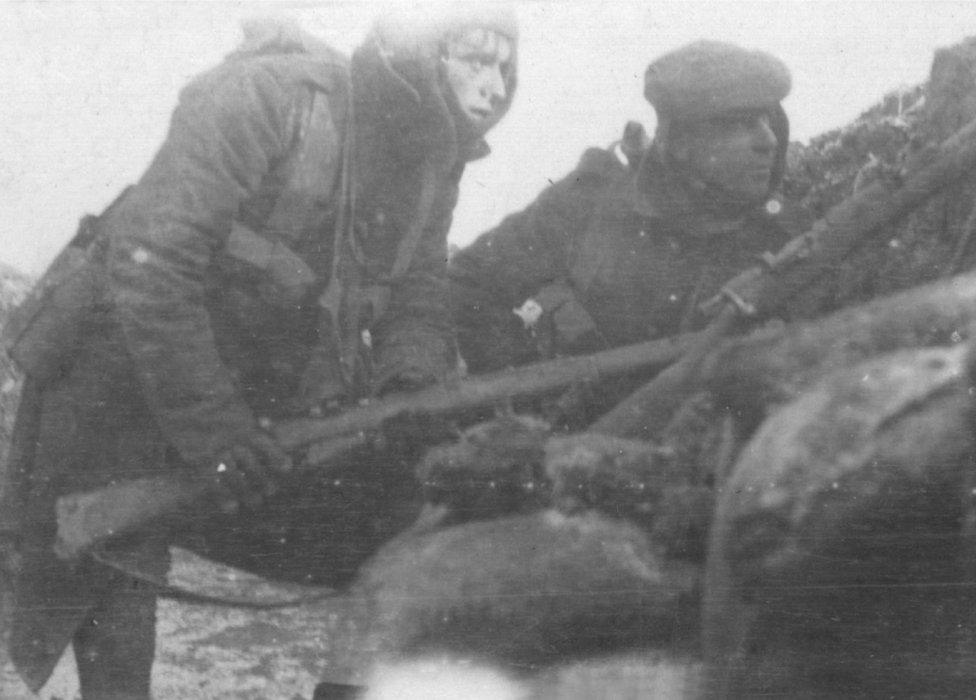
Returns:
<point x="847" y="225"/>
<point x="87" y="518"/>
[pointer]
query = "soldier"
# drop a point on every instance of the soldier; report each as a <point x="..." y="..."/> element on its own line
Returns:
<point x="626" y="246"/>
<point x="286" y="247"/>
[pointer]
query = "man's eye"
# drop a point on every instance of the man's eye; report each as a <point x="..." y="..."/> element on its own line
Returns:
<point x="738" y="121"/>
<point x="478" y="62"/>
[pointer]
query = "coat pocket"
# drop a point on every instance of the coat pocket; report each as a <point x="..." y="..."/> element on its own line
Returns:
<point x="282" y="278"/>
<point x="44" y="333"/>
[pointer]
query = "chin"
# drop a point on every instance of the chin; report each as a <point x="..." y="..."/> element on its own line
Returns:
<point x="740" y="202"/>
<point x="755" y="195"/>
<point x="481" y="124"/>
<point x="481" y="127"/>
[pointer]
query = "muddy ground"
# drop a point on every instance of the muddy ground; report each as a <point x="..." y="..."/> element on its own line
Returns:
<point x="219" y="652"/>
<point x="212" y="653"/>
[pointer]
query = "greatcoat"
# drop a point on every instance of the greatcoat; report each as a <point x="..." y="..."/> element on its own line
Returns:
<point x="628" y="252"/>
<point x="193" y="345"/>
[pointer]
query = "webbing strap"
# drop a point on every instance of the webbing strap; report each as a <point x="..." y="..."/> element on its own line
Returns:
<point x="313" y="171"/>
<point x="348" y="294"/>
<point x="165" y="589"/>
<point x="408" y="244"/>
<point x="336" y="325"/>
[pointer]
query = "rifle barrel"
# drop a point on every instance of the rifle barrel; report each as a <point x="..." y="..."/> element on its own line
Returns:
<point x="487" y="389"/>
<point x="845" y="226"/>
<point x="86" y="518"/>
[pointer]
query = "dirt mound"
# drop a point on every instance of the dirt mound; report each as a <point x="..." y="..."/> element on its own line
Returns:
<point x="14" y="286"/>
<point x="886" y="141"/>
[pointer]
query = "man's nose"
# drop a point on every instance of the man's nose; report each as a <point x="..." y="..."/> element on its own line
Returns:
<point x="493" y="84"/>
<point x="763" y="138"/>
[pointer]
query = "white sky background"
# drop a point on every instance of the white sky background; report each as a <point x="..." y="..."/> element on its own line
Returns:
<point x="86" y="88"/>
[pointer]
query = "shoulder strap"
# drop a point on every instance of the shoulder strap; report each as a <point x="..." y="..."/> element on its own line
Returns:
<point x="590" y="252"/>
<point x="408" y="244"/>
<point x="377" y="293"/>
<point x="349" y="298"/>
<point x="281" y="595"/>
<point x="314" y="167"/>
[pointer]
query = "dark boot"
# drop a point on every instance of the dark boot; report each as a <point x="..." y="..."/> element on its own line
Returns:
<point x="336" y="691"/>
<point x="115" y="646"/>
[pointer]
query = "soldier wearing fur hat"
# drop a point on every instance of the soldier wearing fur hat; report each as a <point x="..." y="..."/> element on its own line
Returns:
<point x="625" y="247"/>
<point x="299" y="200"/>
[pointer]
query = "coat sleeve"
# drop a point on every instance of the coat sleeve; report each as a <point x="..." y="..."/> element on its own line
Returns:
<point x="508" y="264"/>
<point x="224" y="137"/>
<point x="415" y="339"/>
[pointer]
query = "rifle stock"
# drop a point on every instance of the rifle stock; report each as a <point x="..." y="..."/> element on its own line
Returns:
<point x="84" y="519"/>
<point x="759" y="289"/>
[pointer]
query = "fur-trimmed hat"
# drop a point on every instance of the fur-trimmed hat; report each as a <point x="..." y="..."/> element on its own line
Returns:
<point x="419" y="27"/>
<point x="411" y="36"/>
<point x="707" y="78"/>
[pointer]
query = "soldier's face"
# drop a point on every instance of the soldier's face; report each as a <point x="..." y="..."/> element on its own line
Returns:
<point x="477" y="63"/>
<point x="734" y="153"/>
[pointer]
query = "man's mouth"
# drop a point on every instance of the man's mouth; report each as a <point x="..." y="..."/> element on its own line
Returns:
<point x="479" y="115"/>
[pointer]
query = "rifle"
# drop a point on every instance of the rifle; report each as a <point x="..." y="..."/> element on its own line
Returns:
<point x="846" y="226"/>
<point x="84" y="519"/>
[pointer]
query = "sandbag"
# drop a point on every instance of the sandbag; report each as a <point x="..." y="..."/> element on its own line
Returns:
<point x="524" y="589"/>
<point x="840" y="555"/>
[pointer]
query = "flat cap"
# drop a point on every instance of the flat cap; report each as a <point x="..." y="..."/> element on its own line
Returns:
<point x="706" y="78"/>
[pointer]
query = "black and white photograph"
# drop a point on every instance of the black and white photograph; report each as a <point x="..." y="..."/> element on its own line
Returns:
<point x="487" y="349"/>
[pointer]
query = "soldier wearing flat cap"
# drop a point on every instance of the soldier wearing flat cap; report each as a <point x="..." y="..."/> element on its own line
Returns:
<point x="626" y="246"/>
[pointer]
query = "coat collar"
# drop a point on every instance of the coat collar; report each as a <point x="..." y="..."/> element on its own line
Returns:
<point x="402" y="107"/>
<point x="659" y="193"/>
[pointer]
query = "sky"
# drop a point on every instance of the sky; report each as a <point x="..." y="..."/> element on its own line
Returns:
<point x="87" y="87"/>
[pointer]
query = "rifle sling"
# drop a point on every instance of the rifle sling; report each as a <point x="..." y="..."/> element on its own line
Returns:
<point x="165" y="589"/>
